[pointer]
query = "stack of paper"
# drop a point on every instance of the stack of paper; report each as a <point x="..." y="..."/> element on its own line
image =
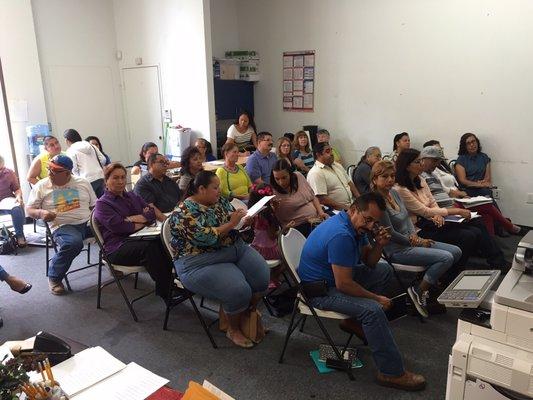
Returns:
<point x="153" y="230"/>
<point x="470" y="202"/>
<point x="459" y="219"/>
<point x="255" y="209"/>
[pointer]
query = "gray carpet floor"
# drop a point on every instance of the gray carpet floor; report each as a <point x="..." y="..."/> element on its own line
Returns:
<point x="184" y="353"/>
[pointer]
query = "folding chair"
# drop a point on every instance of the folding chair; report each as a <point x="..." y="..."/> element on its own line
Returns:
<point x="126" y="270"/>
<point x="179" y="288"/>
<point x="291" y="245"/>
<point x="350" y="170"/>
<point x="50" y="243"/>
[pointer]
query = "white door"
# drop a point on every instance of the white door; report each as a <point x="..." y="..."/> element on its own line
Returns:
<point x="142" y="100"/>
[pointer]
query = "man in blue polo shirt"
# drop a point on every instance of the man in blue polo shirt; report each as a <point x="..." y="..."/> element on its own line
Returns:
<point x="338" y="251"/>
<point x="259" y="164"/>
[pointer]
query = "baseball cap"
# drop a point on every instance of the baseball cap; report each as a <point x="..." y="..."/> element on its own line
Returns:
<point x="431" y="152"/>
<point x="61" y="161"/>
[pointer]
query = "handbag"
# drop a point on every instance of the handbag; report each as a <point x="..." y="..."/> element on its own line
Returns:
<point x="8" y="242"/>
<point x="251" y="325"/>
<point x="315" y="289"/>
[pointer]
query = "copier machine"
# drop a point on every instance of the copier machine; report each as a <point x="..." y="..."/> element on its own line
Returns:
<point x="492" y="358"/>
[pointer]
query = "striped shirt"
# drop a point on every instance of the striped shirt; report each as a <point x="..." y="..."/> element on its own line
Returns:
<point x="437" y="190"/>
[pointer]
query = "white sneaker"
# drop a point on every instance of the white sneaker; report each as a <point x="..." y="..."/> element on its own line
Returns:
<point x="419" y="300"/>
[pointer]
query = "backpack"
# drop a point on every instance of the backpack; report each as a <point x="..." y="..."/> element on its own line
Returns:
<point x="8" y="242"/>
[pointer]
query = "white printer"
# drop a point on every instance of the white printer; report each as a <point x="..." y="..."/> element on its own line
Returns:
<point x="492" y="358"/>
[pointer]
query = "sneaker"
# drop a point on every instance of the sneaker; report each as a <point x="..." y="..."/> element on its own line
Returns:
<point x="56" y="287"/>
<point x="408" y="381"/>
<point x="419" y="300"/>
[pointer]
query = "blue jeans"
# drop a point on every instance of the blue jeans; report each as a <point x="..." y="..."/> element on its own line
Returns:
<point x="438" y="259"/>
<point x="3" y="274"/>
<point x="69" y="239"/>
<point x="370" y="314"/>
<point x="230" y="275"/>
<point x="18" y="218"/>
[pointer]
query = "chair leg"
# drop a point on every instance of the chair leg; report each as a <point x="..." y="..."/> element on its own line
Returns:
<point x="88" y="253"/>
<point x="202" y="321"/>
<point x="68" y="283"/>
<point x="136" y="280"/>
<point x="289" y="330"/>
<point x="128" y="303"/>
<point x="303" y="323"/>
<point x="47" y="255"/>
<point x="167" y="314"/>
<point x="99" y="294"/>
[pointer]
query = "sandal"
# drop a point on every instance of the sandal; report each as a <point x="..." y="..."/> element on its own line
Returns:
<point x="25" y="289"/>
<point x="246" y="344"/>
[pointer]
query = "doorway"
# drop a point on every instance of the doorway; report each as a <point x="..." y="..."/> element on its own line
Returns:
<point x="142" y="102"/>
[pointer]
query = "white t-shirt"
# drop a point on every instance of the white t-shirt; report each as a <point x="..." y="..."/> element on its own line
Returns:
<point x="87" y="161"/>
<point x="241" y="139"/>
<point x="447" y="180"/>
<point x="331" y="181"/>
<point x="71" y="202"/>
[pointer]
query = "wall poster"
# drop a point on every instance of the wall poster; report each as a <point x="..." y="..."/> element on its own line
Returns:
<point x="299" y="80"/>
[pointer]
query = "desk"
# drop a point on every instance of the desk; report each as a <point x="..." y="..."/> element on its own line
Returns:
<point x="214" y="165"/>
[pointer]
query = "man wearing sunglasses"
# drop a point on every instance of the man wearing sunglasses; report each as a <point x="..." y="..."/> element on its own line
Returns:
<point x="65" y="202"/>
<point x="338" y="251"/>
<point x="156" y="188"/>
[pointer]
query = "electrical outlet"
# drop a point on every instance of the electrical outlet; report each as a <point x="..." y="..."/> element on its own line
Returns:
<point x="496" y="193"/>
<point x="529" y="198"/>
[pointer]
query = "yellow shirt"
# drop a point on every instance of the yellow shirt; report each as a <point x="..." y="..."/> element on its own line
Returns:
<point x="234" y="183"/>
<point x="44" y="157"/>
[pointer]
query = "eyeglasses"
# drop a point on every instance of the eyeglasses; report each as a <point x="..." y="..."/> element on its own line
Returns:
<point x="56" y="172"/>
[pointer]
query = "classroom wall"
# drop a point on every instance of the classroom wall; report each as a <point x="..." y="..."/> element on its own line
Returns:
<point x="77" y="45"/>
<point x="434" y="69"/>
<point x="224" y="27"/>
<point x="22" y="74"/>
<point x="176" y="35"/>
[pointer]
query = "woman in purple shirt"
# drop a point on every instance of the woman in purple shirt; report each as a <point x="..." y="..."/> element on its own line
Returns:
<point x="119" y="214"/>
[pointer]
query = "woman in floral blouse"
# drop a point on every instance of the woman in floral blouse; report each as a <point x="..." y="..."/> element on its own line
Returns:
<point x="211" y="259"/>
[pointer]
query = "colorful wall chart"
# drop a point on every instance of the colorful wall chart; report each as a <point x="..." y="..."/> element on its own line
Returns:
<point x="298" y="80"/>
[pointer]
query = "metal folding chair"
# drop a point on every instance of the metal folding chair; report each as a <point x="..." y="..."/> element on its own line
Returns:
<point x="125" y="271"/>
<point x="291" y="245"/>
<point x="51" y="244"/>
<point x="184" y="293"/>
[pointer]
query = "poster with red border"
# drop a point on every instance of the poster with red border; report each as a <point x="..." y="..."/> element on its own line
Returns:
<point x="299" y="80"/>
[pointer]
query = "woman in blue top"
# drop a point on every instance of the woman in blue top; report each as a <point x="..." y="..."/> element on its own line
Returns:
<point x="473" y="167"/>
<point x="405" y="246"/>
<point x="302" y="151"/>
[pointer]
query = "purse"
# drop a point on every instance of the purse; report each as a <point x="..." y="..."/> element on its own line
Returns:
<point x="315" y="289"/>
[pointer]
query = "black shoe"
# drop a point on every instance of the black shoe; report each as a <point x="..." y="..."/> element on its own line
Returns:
<point x="1" y="322"/>
<point x="419" y="300"/>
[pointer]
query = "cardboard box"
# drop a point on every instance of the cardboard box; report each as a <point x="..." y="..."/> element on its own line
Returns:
<point x="229" y="69"/>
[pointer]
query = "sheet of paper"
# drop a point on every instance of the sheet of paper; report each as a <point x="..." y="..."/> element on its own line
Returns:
<point x="8" y="203"/>
<point x="255" y="209"/>
<point x="148" y="230"/>
<point x="85" y="369"/>
<point x="216" y="391"/>
<point x="287" y="61"/>
<point x="474" y="199"/>
<point x="131" y="383"/>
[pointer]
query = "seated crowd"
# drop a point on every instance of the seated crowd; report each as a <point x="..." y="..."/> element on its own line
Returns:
<point x="394" y="207"/>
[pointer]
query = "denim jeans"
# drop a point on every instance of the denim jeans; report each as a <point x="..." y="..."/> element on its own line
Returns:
<point x="230" y="275"/>
<point x="438" y="259"/>
<point x="98" y="187"/>
<point x="69" y="239"/>
<point x="18" y="218"/>
<point x="3" y="274"/>
<point x="370" y="314"/>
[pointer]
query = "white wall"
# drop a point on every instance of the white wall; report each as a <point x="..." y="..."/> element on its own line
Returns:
<point x="224" y="27"/>
<point x="434" y="69"/>
<point x="21" y="72"/>
<point x="77" y="45"/>
<point x="176" y="36"/>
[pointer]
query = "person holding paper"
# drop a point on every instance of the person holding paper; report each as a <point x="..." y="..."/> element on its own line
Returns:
<point x="11" y="201"/>
<point x="211" y="259"/>
<point x="65" y="202"/>
<point x="329" y="180"/>
<point x="39" y="166"/>
<point x="443" y="186"/>
<point x="119" y="214"/>
<point x="406" y="247"/>
<point x="429" y="217"/>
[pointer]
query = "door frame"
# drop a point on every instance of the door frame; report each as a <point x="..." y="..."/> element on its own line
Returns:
<point x="125" y="104"/>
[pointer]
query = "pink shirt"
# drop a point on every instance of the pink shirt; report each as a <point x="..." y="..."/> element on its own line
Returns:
<point x="8" y="183"/>
<point x="420" y="202"/>
<point x="296" y="206"/>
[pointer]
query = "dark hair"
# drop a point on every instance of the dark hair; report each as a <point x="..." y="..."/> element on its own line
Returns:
<point x="368" y="152"/>
<point x="188" y="153"/>
<point x="319" y="148"/>
<point x="72" y="135"/>
<point x="283" y="165"/>
<point x="289" y="135"/>
<point x="267" y="213"/>
<point x="89" y="138"/>
<point x="251" y="121"/>
<point x="227" y="147"/>
<point x="47" y="138"/>
<point x="397" y="138"/>
<point x="153" y="157"/>
<point x="296" y="143"/>
<point x="431" y="142"/>
<point x="202" y="178"/>
<point x="208" y="147"/>
<point x="323" y="132"/>
<point x="108" y="169"/>
<point x="262" y="135"/>
<point x="363" y="201"/>
<point x="462" y="144"/>
<point x="145" y="148"/>
<point x="405" y="158"/>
